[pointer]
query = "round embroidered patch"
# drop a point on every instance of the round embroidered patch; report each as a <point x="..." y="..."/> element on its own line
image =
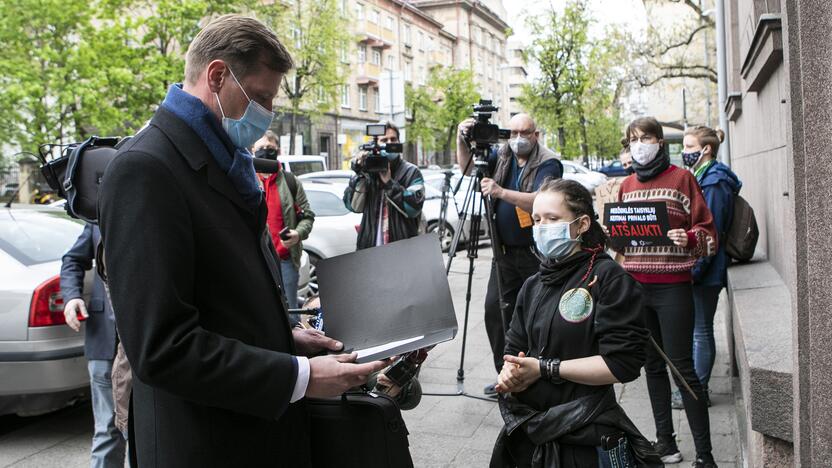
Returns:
<point x="576" y="305"/>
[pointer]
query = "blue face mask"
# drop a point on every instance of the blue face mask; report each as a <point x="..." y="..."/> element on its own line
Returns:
<point x="251" y="126"/>
<point x="553" y="240"/>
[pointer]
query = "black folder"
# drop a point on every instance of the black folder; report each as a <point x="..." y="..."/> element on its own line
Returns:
<point x="388" y="300"/>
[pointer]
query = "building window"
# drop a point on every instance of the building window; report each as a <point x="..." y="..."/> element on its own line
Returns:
<point x="430" y="44"/>
<point x="373" y="16"/>
<point x="376" y="100"/>
<point x="407" y="34"/>
<point x="342" y="7"/>
<point x="408" y="70"/>
<point x="421" y="38"/>
<point x="390" y="61"/>
<point x="345" y="57"/>
<point x="321" y="94"/>
<point x="388" y="23"/>
<point x="376" y="57"/>
<point x="362" y="53"/>
<point x="362" y="98"/>
<point x="359" y="11"/>
<point x="421" y="76"/>
<point x="477" y="35"/>
<point x="345" y="96"/>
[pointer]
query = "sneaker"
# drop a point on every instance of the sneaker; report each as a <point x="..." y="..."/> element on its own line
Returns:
<point x="667" y="449"/>
<point x="700" y="463"/>
<point x="490" y="390"/>
<point x="676" y="400"/>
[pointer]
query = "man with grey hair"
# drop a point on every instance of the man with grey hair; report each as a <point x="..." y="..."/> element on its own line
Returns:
<point x="517" y="170"/>
<point x="219" y="374"/>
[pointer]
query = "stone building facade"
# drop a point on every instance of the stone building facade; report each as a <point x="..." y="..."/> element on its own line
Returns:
<point x="779" y="106"/>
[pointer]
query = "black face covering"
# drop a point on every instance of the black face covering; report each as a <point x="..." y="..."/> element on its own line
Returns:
<point x="630" y="170"/>
<point x="654" y="167"/>
<point x="266" y="153"/>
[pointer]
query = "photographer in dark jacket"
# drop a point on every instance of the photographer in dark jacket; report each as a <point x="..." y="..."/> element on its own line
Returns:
<point x="219" y="375"/>
<point x="390" y="201"/>
<point x="577" y="330"/>
<point x="518" y="170"/>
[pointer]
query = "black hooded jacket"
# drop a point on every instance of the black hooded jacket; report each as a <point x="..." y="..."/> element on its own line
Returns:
<point x="554" y="319"/>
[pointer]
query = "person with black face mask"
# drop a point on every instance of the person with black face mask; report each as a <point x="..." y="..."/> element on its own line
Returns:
<point x="289" y="217"/>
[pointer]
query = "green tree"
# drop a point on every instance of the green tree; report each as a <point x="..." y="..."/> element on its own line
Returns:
<point x="438" y="107"/>
<point x="314" y="32"/>
<point x="580" y="83"/>
<point x="42" y="70"/>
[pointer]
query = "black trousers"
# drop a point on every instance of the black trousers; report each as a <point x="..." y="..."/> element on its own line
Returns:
<point x="669" y="317"/>
<point x="516" y="266"/>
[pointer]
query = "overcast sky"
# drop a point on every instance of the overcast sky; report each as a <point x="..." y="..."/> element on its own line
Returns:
<point x="605" y="12"/>
<point x="626" y="13"/>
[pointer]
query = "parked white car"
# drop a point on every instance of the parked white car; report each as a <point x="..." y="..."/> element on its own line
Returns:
<point x="589" y="179"/>
<point x="336" y="228"/>
<point x="299" y="165"/>
<point x="42" y="364"/>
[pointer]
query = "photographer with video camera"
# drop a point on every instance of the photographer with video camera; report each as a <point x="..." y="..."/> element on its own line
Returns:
<point x="388" y="190"/>
<point x="517" y="171"/>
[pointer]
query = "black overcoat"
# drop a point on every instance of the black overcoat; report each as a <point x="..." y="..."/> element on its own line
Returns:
<point x="194" y="284"/>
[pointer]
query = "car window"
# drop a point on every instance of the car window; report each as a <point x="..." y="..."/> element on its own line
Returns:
<point x="325" y="203"/>
<point x="569" y="169"/>
<point x="305" y="167"/>
<point x="33" y="237"/>
<point x="616" y="164"/>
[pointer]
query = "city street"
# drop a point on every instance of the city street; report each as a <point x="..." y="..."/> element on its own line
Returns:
<point x="445" y="431"/>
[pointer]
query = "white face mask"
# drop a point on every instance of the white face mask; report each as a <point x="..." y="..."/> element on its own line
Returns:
<point x="520" y="145"/>
<point x="644" y="153"/>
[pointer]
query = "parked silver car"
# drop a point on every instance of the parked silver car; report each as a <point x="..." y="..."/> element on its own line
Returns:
<point x="336" y="228"/>
<point x="42" y="364"/>
<point x="590" y="179"/>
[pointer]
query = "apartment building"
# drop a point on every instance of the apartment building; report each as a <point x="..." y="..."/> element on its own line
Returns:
<point x="480" y="32"/>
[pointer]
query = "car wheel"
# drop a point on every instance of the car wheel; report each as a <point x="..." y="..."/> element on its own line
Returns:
<point x="448" y="237"/>
<point x="313" y="273"/>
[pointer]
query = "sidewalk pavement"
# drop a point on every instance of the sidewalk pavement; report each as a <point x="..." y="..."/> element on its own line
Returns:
<point x="450" y="431"/>
<point x="455" y="431"/>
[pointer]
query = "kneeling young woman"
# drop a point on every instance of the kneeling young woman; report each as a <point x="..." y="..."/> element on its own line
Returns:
<point x="577" y="329"/>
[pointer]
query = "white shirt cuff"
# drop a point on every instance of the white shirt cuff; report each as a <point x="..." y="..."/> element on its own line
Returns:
<point x="303" y="379"/>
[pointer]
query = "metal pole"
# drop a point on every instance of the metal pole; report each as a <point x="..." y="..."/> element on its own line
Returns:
<point x="722" y="80"/>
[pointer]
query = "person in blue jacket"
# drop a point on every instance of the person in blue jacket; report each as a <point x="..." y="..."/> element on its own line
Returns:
<point x="108" y="443"/>
<point x="720" y="186"/>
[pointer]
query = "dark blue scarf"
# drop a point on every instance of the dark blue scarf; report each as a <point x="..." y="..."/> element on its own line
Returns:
<point x="237" y="163"/>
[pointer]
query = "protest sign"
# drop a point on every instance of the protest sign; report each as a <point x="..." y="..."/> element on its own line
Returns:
<point x="637" y="224"/>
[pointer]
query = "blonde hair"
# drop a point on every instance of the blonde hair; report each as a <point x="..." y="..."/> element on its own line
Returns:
<point x="707" y="136"/>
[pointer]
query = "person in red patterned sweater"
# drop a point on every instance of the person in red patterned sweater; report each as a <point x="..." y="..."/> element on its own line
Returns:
<point x="665" y="275"/>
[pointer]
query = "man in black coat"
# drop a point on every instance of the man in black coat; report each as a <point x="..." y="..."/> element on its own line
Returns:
<point x="219" y="374"/>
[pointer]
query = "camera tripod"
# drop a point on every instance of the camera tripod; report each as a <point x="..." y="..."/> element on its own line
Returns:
<point x="473" y="205"/>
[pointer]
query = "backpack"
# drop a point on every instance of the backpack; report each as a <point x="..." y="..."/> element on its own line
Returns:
<point x="741" y="237"/>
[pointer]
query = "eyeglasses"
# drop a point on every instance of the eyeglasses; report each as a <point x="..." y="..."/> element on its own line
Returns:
<point x="645" y="138"/>
<point x="522" y="133"/>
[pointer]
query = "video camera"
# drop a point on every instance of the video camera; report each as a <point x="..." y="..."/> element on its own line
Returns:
<point x="374" y="162"/>
<point x="483" y="133"/>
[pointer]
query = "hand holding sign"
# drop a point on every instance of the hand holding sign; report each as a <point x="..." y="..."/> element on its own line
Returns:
<point x="678" y="236"/>
<point x="639" y="224"/>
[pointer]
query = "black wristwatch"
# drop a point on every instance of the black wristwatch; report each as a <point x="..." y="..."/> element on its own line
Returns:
<point x="550" y="370"/>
